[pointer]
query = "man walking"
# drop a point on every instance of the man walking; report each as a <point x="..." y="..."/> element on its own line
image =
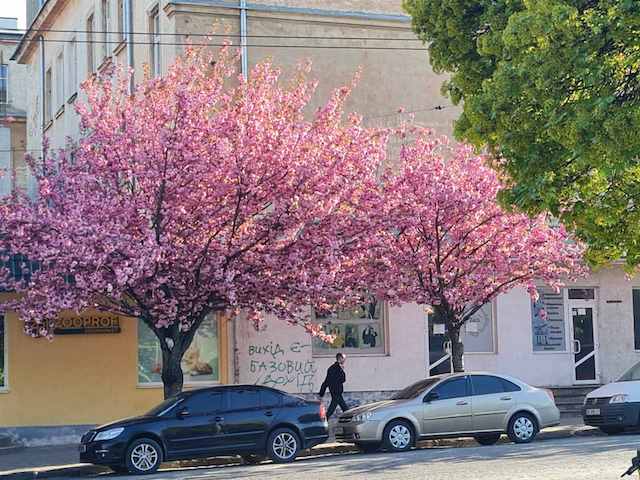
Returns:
<point x="334" y="382"/>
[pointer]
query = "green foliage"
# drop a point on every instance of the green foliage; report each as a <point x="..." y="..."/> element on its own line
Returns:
<point x="552" y="88"/>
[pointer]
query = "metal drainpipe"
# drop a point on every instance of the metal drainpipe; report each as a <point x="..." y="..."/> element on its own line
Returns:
<point x="243" y="38"/>
<point x="42" y="84"/>
<point x="245" y="71"/>
<point x="128" y="15"/>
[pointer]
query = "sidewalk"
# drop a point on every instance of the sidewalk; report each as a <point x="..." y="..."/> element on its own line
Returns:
<point x="61" y="461"/>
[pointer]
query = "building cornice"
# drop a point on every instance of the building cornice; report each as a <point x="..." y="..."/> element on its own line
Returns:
<point x="318" y="12"/>
<point x="49" y="10"/>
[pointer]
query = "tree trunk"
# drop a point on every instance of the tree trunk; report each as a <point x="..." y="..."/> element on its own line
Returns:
<point x="174" y="343"/>
<point x="172" y="376"/>
<point x="457" y="348"/>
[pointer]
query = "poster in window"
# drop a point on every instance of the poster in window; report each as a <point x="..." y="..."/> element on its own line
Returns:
<point x="477" y="335"/>
<point x="547" y="322"/>
<point x="357" y="330"/>
<point x="3" y="380"/>
<point x="199" y="364"/>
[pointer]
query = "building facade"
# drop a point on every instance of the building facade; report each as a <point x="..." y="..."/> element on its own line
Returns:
<point x="101" y="367"/>
<point x="13" y="101"/>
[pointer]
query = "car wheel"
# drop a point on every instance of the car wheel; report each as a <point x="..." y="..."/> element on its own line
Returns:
<point x="368" y="447"/>
<point x="523" y="428"/>
<point x="253" y="459"/>
<point x="488" y="439"/>
<point x="143" y="456"/>
<point x="398" y="436"/>
<point x="283" y="445"/>
<point x="611" y="430"/>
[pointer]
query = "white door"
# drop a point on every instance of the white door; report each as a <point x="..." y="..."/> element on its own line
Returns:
<point x="584" y="331"/>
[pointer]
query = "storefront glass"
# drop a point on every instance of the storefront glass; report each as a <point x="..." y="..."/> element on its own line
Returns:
<point x="201" y="362"/>
<point x="360" y="330"/>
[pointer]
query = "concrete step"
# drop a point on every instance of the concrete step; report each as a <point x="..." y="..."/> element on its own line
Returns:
<point x="579" y="400"/>
<point x="580" y="391"/>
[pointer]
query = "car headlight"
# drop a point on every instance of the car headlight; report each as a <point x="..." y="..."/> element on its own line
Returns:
<point x="620" y="398"/>
<point x="362" y="417"/>
<point x="109" y="434"/>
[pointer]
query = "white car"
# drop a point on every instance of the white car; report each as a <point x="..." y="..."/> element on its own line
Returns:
<point x="616" y="406"/>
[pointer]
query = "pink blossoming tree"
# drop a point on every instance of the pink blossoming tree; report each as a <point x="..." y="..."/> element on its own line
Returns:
<point x="450" y="246"/>
<point x="200" y="193"/>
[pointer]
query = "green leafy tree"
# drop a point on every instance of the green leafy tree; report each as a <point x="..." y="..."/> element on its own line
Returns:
<point x="552" y="89"/>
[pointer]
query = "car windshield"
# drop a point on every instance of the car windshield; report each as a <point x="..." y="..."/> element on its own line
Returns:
<point x="412" y="391"/>
<point x="633" y="374"/>
<point x="164" y="407"/>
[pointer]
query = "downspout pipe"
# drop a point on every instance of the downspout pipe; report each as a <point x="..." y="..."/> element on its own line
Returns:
<point x="128" y="15"/>
<point x="243" y="39"/>
<point x="43" y="87"/>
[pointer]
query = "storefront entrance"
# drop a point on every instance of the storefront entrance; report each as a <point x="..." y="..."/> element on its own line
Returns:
<point x="583" y="315"/>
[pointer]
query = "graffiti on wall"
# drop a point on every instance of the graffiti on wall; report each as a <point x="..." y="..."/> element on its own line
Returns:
<point x="280" y="366"/>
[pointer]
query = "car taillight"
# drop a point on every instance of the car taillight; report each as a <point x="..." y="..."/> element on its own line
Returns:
<point x="323" y="412"/>
<point x="551" y="395"/>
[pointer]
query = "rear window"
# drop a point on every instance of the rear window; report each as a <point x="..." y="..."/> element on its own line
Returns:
<point x="243" y="399"/>
<point x="510" y="386"/>
<point x="486" y="385"/>
<point x="270" y="399"/>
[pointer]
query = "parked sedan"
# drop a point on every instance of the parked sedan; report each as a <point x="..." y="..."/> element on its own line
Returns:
<point x="481" y="405"/>
<point x="251" y="421"/>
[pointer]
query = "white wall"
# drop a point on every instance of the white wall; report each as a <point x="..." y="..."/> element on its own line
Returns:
<point x="281" y="356"/>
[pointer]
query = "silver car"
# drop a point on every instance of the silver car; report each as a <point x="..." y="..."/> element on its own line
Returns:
<point x="481" y="405"/>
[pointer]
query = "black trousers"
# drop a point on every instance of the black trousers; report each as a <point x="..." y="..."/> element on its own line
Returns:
<point x="336" y="399"/>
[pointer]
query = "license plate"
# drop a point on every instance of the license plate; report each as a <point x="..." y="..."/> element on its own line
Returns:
<point x="593" y="411"/>
<point x="82" y="448"/>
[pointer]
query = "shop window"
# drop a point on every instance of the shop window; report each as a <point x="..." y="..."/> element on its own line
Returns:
<point x="3" y="354"/>
<point x="548" y="321"/>
<point x="360" y="330"/>
<point x="636" y="318"/>
<point x="200" y="364"/>
<point x="477" y="336"/>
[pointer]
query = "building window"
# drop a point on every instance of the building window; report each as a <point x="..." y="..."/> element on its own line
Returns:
<point x="48" y="100"/>
<point x="154" y="30"/>
<point x="60" y="80"/>
<point x="201" y="362"/>
<point x="3" y="353"/>
<point x="4" y="83"/>
<point x="105" y="25"/>
<point x="121" y="20"/>
<point x="90" y="46"/>
<point x="548" y="321"/>
<point x="72" y="81"/>
<point x="361" y="330"/>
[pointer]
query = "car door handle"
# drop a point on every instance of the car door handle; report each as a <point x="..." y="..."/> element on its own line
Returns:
<point x="505" y="398"/>
<point x="219" y="419"/>
<point x="462" y="402"/>
<point x="268" y="413"/>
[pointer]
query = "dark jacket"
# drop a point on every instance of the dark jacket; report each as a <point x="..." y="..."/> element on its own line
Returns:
<point x="334" y="381"/>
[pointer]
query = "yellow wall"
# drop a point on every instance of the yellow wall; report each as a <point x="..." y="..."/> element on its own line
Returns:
<point x="76" y="379"/>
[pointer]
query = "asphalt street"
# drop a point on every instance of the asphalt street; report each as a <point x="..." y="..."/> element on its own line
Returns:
<point x="596" y="458"/>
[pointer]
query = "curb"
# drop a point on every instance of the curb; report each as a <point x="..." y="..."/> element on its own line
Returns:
<point x="81" y="470"/>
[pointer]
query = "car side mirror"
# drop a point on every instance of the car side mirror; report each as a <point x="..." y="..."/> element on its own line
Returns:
<point x="431" y="396"/>
<point x="183" y="413"/>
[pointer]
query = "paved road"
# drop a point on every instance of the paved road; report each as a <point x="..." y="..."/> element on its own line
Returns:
<point x="593" y="458"/>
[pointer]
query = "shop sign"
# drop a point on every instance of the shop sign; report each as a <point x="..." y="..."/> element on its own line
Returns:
<point x="87" y="324"/>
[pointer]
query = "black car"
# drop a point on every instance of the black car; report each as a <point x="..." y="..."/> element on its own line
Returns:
<point x="252" y="421"/>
